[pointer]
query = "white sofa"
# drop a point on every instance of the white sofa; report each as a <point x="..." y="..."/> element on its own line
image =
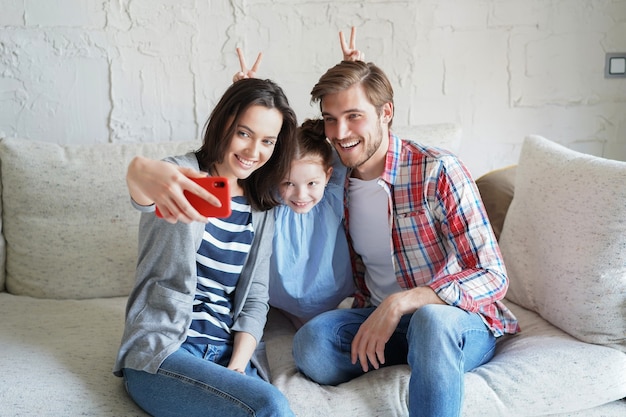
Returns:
<point x="69" y="246"/>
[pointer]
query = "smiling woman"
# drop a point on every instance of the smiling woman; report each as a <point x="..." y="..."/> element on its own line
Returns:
<point x="196" y="315"/>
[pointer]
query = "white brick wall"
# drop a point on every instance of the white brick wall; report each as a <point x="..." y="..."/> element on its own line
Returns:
<point x="86" y="71"/>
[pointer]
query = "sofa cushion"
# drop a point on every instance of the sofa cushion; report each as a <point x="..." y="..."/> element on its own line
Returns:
<point x="527" y="376"/>
<point x="57" y="357"/>
<point x="496" y="190"/>
<point x="564" y="241"/>
<point x="69" y="226"/>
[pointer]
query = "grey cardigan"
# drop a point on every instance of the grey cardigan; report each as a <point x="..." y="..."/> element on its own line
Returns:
<point x="158" y="311"/>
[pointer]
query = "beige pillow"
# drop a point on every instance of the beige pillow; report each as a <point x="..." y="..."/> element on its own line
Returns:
<point x="564" y="241"/>
<point x="496" y="190"/>
<point x="69" y="226"/>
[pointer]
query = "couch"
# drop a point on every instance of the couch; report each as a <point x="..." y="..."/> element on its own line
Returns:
<point x="68" y="249"/>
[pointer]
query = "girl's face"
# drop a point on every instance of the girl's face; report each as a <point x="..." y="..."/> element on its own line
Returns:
<point x="252" y="144"/>
<point x="304" y="186"/>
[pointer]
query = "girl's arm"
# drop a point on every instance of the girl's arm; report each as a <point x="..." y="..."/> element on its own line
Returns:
<point x="350" y="53"/>
<point x="243" y="348"/>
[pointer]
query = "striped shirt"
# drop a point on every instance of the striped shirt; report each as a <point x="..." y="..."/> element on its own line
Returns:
<point x="219" y="260"/>
<point x="440" y="234"/>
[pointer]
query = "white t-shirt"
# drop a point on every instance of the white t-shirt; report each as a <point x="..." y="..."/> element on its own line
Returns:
<point x="371" y="237"/>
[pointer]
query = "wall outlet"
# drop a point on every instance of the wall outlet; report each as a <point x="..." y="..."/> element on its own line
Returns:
<point x="615" y="65"/>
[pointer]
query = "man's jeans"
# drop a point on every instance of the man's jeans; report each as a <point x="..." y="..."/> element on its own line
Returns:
<point x="194" y="381"/>
<point x="439" y="342"/>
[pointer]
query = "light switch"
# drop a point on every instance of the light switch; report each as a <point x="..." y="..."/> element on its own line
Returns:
<point x="615" y="65"/>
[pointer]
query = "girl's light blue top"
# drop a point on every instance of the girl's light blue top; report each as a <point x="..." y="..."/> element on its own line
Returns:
<point x="310" y="269"/>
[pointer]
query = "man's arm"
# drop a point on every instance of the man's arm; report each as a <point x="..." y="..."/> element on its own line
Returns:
<point x="465" y="231"/>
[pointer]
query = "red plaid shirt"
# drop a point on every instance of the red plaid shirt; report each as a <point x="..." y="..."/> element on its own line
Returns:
<point x="440" y="234"/>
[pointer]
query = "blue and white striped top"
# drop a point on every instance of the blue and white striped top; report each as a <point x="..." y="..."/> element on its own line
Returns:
<point x="220" y="259"/>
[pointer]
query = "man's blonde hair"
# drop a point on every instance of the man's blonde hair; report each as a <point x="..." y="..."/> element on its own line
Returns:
<point x="344" y="75"/>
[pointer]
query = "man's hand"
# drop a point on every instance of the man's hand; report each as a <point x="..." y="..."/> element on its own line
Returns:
<point x="369" y="342"/>
<point x="350" y="53"/>
<point x="245" y="72"/>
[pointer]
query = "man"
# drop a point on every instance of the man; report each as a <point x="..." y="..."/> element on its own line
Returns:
<point x="427" y="266"/>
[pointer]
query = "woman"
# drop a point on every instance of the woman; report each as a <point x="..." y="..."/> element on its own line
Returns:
<point x="199" y="305"/>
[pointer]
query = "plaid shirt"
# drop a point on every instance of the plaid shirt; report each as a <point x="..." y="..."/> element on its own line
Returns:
<point x="440" y="234"/>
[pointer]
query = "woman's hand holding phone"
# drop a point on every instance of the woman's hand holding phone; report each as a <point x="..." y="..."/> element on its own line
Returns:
<point x="164" y="184"/>
<point x="216" y="186"/>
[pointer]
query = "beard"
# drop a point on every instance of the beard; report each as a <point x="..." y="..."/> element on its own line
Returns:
<point x="371" y="147"/>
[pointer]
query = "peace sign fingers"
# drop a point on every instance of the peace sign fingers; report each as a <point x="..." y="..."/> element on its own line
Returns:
<point x="350" y="53"/>
<point x="245" y="72"/>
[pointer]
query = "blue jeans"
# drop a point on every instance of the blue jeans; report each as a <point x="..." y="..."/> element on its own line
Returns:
<point x="439" y="342"/>
<point x="194" y="381"/>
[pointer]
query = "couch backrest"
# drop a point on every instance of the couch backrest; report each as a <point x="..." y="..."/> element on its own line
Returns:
<point x="442" y="135"/>
<point x="68" y="229"/>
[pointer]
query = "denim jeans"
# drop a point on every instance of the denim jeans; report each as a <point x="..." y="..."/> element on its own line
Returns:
<point x="194" y="381"/>
<point x="439" y="342"/>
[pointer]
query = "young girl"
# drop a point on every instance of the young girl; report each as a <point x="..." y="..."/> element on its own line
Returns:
<point x="310" y="268"/>
<point x="199" y="305"/>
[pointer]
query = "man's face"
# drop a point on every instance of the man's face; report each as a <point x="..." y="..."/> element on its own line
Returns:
<point x="356" y="130"/>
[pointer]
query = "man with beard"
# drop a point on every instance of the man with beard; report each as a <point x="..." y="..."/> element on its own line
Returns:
<point x="429" y="273"/>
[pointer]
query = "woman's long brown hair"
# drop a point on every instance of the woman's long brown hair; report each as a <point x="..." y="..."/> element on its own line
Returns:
<point x="221" y="127"/>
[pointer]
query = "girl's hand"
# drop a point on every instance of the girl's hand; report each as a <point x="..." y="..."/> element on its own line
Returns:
<point x="238" y="370"/>
<point x="162" y="183"/>
<point x="245" y="72"/>
<point x="350" y="53"/>
<point x="243" y="348"/>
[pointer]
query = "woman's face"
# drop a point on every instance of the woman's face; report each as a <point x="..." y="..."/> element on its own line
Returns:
<point x="252" y="144"/>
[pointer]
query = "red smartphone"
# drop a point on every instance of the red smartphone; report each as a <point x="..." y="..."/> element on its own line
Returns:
<point x="218" y="186"/>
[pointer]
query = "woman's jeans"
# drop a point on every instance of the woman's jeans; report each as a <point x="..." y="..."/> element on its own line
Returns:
<point x="194" y="381"/>
<point x="439" y="342"/>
